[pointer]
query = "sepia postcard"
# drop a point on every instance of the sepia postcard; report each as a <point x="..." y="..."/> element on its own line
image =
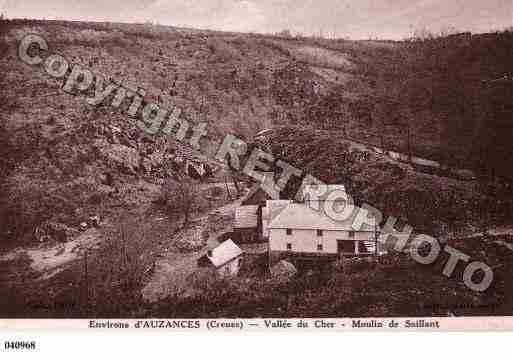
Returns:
<point x="243" y="165"/>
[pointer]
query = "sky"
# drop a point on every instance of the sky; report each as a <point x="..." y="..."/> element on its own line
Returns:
<point x="356" y="19"/>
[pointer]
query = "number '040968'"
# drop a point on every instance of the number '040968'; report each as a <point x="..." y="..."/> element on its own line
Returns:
<point x="12" y="345"/>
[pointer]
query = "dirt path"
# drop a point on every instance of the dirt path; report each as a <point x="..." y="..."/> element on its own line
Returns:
<point x="499" y="231"/>
<point x="494" y="232"/>
<point x="404" y="158"/>
<point x="173" y="270"/>
<point x="49" y="261"/>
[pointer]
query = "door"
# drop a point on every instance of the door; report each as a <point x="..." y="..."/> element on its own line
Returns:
<point x="345" y="247"/>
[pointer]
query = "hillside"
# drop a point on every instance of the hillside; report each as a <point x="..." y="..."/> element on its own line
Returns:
<point x="452" y="94"/>
<point x="241" y="84"/>
<point x="70" y="157"/>
<point x="66" y="153"/>
<point x="63" y="162"/>
<point x="430" y="202"/>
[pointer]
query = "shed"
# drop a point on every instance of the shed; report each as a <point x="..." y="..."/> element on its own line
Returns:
<point x="246" y="217"/>
<point x="226" y="258"/>
<point x="247" y="225"/>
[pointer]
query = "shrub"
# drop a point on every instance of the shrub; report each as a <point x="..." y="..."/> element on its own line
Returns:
<point x="358" y="265"/>
<point x="223" y="52"/>
<point x="111" y="279"/>
<point x="180" y="198"/>
<point x="216" y="191"/>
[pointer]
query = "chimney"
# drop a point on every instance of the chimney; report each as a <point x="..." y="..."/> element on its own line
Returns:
<point x="209" y="253"/>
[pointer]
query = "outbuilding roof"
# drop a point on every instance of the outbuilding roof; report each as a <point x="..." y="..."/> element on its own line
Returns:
<point x="301" y="216"/>
<point x="224" y="253"/>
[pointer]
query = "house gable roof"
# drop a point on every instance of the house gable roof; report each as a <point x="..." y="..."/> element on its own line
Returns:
<point x="301" y="216"/>
<point x="274" y="207"/>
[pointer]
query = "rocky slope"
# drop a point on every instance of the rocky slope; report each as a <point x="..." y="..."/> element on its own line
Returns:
<point x="64" y="160"/>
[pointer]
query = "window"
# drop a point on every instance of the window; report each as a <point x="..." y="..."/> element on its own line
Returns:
<point x="319" y="247"/>
<point x="366" y="247"/>
<point x="289" y="231"/>
<point x="289" y="246"/>
<point x="319" y="233"/>
<point x="351" y="234"/>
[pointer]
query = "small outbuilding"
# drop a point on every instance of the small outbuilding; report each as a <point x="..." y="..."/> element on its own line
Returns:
<point x="225" y="258"/>
<point x="246" y="224"/>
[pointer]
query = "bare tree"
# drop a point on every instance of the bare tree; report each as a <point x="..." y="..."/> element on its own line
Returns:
<point x="181" y="198"/>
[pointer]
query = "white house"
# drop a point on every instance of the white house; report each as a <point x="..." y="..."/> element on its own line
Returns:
<point x="269" y="212"/>
<point x="300" y="231"/>
<point x="225" y="258"/>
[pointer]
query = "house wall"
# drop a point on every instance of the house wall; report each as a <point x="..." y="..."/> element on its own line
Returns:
<point x="230" y="269"/>
<point x="269" y="212"/>
<point x="306" y="240"/>
<point x="265" y="222"/>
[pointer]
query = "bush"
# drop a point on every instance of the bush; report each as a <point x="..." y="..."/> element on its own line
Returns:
<point x="222" y="51"/>
<point x="180" y="199"/>
<point x="357" y="265"/>
<point x="117" y="273"/>
<point x="216" y="191"/>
